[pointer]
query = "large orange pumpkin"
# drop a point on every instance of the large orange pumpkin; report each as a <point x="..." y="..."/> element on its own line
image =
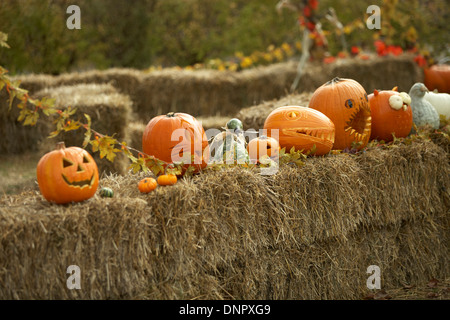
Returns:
<point x="345" y="102"/>
<point x="176" y="137"/>
<point x="437" y="77"/>
<point x="391" y="114"/>
<point x="301" y="128"/>
<point x="67" y="175"/>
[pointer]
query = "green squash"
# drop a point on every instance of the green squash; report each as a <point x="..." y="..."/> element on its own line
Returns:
<point x="230" y="148"/>
<point x="234" y="124"/>
<point x="106" y="192"/>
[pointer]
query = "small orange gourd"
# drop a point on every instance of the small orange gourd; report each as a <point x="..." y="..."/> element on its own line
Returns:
<point x="147" y="185"/>
<point x="167" y="179"/>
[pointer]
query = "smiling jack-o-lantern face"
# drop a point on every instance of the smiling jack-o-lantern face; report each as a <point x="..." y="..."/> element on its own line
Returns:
<point x="391" y="114"/>
<point x="345" y="102"/>
<point x="67" y="175"/>
<point x="301" y="128"/>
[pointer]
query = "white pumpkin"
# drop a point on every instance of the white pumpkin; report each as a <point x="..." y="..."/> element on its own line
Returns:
<point x="440" y="101"/>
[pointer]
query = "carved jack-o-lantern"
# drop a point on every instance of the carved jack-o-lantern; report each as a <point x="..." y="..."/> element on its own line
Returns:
<point x="301" y="128"/>
<point x="345" y="102"/>
<point x="391" y="114"/>
<point x="67" y="175"/>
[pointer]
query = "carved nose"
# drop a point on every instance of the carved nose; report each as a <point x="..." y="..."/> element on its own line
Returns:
<point x="79" y="169"/>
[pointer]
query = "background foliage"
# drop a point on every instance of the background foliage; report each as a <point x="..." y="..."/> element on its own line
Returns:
<point x="141" y="33"/>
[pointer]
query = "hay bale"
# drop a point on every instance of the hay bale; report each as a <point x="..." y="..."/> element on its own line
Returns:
<point x="124" y="80"/>
<point x="134" y="133"/>
<point x="35" y="82"/>
<point x="203" y="92"/>
<point x="109" y="112"/>
<point x="218" y="93"/>
<point x="16" y="138"/>
<point x="382" y="73"/>
<point x="304" y="233"/>
<point x="255" y="116"/>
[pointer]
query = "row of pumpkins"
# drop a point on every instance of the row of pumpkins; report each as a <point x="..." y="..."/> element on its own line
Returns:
<point x="340" y="115"/>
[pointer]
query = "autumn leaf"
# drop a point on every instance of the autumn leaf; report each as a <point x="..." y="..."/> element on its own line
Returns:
<point x="3" y="39"/>
<point x="88" y="133"/>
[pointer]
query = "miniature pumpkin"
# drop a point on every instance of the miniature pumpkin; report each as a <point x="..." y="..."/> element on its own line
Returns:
<point x="345" y="102"/>
<point x="167" y="179"/>
<point x="147" y="185"/>
<point x="391" y="114"/>
<point x="262" y="146"/>
<point x="168" y="137"/>
<point x="301" y="128"/>
<point x="106" y="192"/>
<point x="67" y="175"/>
<point x="438" y="77"/>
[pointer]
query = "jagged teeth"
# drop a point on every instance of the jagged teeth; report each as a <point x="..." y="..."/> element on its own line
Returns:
<point x="348" y="128"/>
<point x="318" y="133"/>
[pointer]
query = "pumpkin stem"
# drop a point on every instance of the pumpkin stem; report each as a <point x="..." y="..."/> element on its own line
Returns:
<point x="60" y="145"/>
<point x="171" y="114"/>
<point x="334" y="80"/>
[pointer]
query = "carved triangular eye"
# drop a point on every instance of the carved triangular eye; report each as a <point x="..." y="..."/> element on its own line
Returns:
<point x="67" y="163"/>
<point x="85" y="159"/>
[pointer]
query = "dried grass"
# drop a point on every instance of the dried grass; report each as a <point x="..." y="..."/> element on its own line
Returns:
<point x="304" y="233"/>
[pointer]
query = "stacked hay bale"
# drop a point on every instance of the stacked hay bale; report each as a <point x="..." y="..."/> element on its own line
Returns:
<point x="303" y="233"/>
<point x="109" y="111"/>
<point x="16" y="138"/>
<point x="255" y="116"/>
<point x="203" y="92"/>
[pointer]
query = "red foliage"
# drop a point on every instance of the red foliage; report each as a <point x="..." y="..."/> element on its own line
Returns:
<point x="354" y="50"/>
<point x="329" y="59"/>
<point x="420" y="60"/>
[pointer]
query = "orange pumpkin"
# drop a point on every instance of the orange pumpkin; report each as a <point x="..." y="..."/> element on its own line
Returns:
<point x="176" y="137"/>
<point x="167" y="179"/>
<point x="391" y="114"/>
<point x="437" y="77"/>
<point x="147" y="185"/>
<point x="262" y="146"/>
<point x="67" y="175"/>
<point x="345" y="102"/>
<point x="301" y="128"/>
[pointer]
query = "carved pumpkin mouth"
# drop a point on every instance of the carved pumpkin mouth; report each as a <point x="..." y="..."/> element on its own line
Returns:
<point x="359" y="124"/>
<point x="79" y="184"/>
<point x="321" y="135"/>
